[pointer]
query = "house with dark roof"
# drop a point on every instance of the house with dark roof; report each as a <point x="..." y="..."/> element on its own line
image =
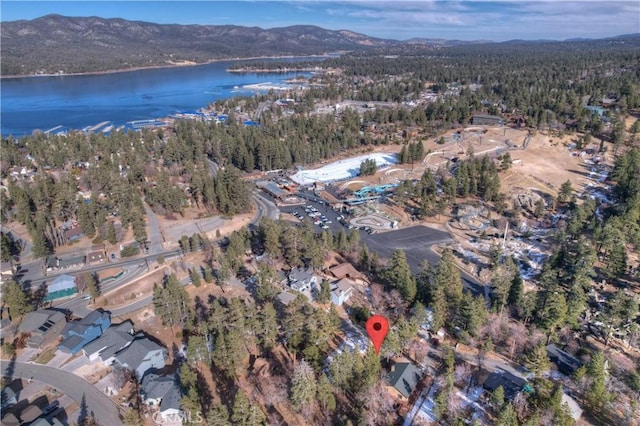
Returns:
<point x="302" y="279"/>
<point x="113" y="340"/>
<point x="73" y="234"/>
<point x="71" y="262"/>
<point x="566" y="363"/>
<point x="511" y="384"/>
<point x="77" y="334"/>
<point x="162" y="392"/>
<point x="141" y="356"/>
<point x="43" y="326"/>
<point x="8" y="397"/>
<point x="402" y="379"/>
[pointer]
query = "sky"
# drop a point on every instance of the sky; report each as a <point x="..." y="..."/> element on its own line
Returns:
<point x="400" y="20"/>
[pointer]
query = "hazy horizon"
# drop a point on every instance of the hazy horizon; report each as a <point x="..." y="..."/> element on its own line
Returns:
<point x="452" y="20"/>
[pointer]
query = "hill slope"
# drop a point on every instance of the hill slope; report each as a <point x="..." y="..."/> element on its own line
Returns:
<point x="57" y="43"/>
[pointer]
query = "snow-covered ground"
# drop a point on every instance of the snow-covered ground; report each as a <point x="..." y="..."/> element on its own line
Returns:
<point x="342" y="169"/>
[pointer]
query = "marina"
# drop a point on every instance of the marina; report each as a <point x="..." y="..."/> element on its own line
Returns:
<point x="104" y="103"/>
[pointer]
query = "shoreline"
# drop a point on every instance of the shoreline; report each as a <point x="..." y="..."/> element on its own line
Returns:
<point x="174" y="65"/>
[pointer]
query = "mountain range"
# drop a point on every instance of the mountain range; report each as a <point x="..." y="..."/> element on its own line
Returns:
<point x="56" y="44"/>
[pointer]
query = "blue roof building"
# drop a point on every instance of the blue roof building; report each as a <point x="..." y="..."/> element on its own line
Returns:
<point x="77" y="334"/>
<point x="62" y="286"/>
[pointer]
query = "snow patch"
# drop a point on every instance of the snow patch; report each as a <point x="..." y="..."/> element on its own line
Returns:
<point x="343" y="169"/>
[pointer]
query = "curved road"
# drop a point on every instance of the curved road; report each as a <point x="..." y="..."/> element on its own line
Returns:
<point x="104" y="409"/>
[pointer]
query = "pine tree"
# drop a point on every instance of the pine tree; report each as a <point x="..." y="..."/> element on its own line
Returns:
<point x="92" y="285"/>
<point x="597" y="395"/>
<point x="398" y="275"/>
<point x="195" y="277"/>
<point x="16" y="300"/>
<point x="111" y="233"/>
<point x="218" y="415"/>
<point x="303" y="385"/>
<point x="325" y="396"/>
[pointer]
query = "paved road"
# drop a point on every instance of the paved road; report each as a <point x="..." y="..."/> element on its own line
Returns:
<point x="103" y="408"/>
<point x="154" y="233"/>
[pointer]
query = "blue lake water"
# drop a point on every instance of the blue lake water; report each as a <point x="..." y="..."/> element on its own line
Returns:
<point x="76" y="102"/>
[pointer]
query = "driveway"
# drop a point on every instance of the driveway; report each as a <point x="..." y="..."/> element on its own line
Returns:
<point x="104" y="410"/>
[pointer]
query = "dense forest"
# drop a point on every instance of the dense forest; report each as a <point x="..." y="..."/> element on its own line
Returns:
<point x="54" y="43"/>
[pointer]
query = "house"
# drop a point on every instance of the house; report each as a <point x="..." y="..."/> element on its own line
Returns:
<point x="72" y="262"/>
<point x="403" y="379"/>
<point x="346" y="270"/>
<point x="30" y="413"/>
<point x="96" y="257"/>
<point x="77" y="334"/>
<point x="566" y="363"/>
<point x="141" y="355"/>
<point x="282" y="279"/>
<point x="47" y="421"/>
<point x="302" y="280"/>
<point x="51" y="263"/>
<point x="572" y="405"/>
<point x="8" y="397"/>
<point x="7" y="271"/>
<point x="113" y="340"/>
<point x="62" y="286"/>
<point x="489" y="120"/>
<point x="341" y="291"/>
<point x="9" y="419"/>
<point x="44" y="326"/>
<point x="511" y="384"/>
<point x="162" y="392"/>
<point x="285" y="298"/>
<point x="73" y="234"/>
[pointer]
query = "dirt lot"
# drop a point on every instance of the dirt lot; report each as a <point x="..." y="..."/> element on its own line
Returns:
<point x="137" y="289"/>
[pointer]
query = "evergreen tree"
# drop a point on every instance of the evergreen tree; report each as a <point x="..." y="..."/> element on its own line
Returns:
<point x="303" y="385"/>
<point x="111" y="233"/>
<point x="398" y="275"/>
<point x="324" y="296"/>
<point x="15" y="299"/>
<point x="218" y="415"/>
<point x="325" y="396"/>
<point x="597" y="395"/>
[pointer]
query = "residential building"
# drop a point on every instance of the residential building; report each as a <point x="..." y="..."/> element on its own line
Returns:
<point x="72" y="262"/>
<point x="8" y="397"/>
<point x="403" y="379"/>
<point x="62" y="286"/>
<point x="73" y="234"/>
<point x="341" y="291"/>
<point x="113" y="340"/>
<point x="78" y="334"/>
<point x="285" y="298"/>
<point x="346" y="270"/>
<point x="302" y="279"/>
<point x="574" y="408"/>
<point x="566" y="363"/>
<point x="44" y="326"/>
<point x="141" y="356"/>
<point x="162" y="392"/>
<point x="511" y="384"/>
<point x="96" y="257"/>
<point x="7" y="271"/>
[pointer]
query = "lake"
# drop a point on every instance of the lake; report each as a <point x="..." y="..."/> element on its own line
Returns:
<point x="78" y="101"/>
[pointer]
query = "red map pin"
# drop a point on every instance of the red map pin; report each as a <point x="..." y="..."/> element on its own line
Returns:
<point x="377" y="328"/>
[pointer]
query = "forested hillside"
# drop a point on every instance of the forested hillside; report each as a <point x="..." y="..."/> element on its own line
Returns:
<point x="57" y="43"/>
